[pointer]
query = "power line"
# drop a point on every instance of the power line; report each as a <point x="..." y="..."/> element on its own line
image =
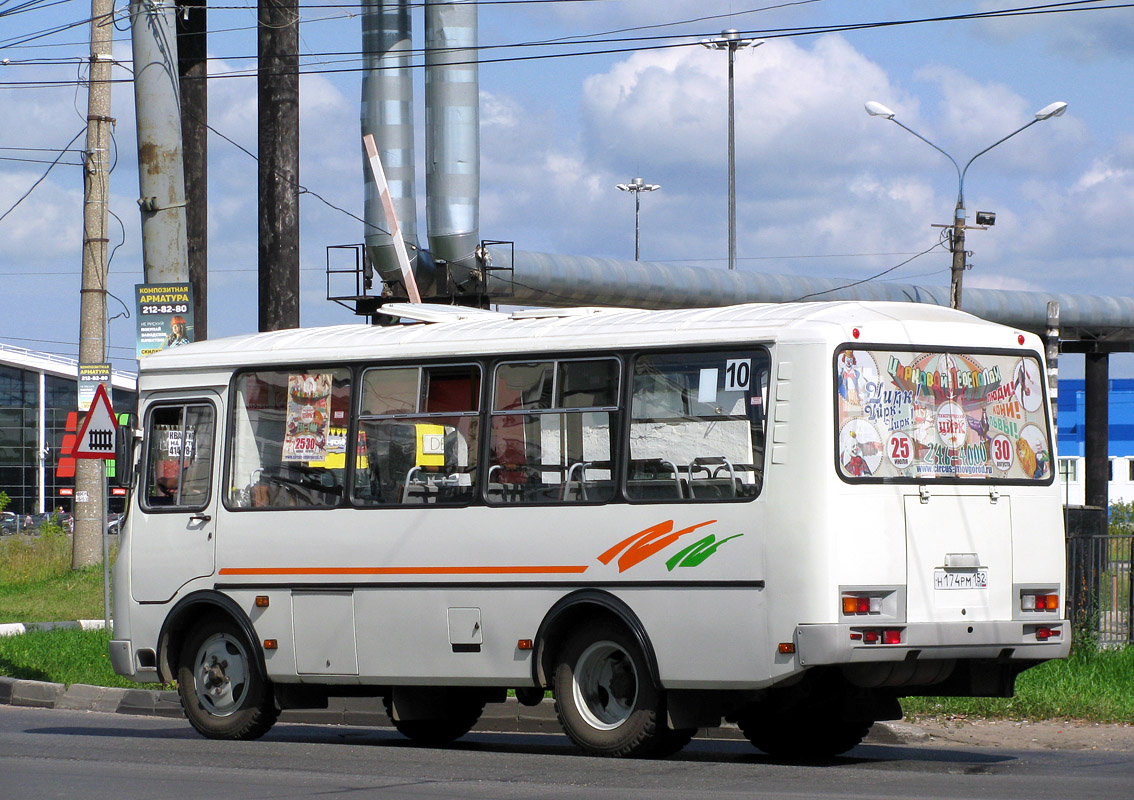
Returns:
<point x="30" y="5"/>
<point x="43" y="177"/>
<point x="770" y="33"/>
<point x="872" y="277"/>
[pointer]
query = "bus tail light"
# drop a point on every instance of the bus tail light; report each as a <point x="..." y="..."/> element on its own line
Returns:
<point x="877" y="636"/>
<point x="861" y="604"/>
<point x="1039" y="601"/>
<point x="1043" y="634"/>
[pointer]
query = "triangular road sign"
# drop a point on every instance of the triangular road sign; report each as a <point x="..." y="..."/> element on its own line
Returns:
<point x="96" y="436"/>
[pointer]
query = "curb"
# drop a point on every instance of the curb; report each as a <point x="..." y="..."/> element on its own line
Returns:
<point x="16" y="628"/>
<point x="507" y="717"/>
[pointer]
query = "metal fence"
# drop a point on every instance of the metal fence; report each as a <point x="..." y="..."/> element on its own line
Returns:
<point x="1100" y="581"/>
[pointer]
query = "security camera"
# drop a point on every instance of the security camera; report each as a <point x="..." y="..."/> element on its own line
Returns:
<point x="987" y="218"/>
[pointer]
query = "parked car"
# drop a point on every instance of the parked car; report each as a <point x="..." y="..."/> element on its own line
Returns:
<point x="8" y="523"/>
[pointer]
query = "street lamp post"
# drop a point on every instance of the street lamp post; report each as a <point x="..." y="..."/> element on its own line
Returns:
<point x="636" y="187"/>
<point x="876" y="109"/>
<point x="730" y="40"/>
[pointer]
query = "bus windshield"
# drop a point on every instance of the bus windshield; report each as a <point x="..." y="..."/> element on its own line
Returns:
<point x="920" y="415"/>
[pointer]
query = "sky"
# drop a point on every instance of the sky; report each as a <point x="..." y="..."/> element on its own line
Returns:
<point x="823" y="188"/>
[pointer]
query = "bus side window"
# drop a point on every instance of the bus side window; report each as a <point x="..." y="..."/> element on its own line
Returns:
<point x="418" y="428"/>
<point x="179" y="456"/>
<point x="697" y="425"/>
<point x="552" y="425"/>
<point x="289" y="439"/>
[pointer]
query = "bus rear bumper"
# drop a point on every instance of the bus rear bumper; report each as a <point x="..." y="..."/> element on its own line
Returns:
<point x="1001" y="640"/>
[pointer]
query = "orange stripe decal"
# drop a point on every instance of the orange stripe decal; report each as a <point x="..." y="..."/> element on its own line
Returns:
<point x="646" y="543"/>
<point x="534" y="570"/>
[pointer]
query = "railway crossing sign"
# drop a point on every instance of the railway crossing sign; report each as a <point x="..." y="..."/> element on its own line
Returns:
<point x="96" y="435"/>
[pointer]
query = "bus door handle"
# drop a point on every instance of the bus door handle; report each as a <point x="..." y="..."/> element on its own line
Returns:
<point x="201" y="518"/>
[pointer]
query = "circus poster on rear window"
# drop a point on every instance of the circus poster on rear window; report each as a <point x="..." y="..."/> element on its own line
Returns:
<point x="941" y="415"/>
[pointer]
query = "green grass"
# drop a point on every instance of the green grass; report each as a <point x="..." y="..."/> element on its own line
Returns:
<point x="37" y="583"/>
<point x="61" y="656"/>
<point x="1094" y="685"/>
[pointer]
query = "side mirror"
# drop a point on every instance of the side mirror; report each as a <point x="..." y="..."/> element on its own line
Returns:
<point x="124" y="454"/>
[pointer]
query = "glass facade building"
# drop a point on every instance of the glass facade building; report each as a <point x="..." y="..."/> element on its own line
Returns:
<point x="38" y="392"/>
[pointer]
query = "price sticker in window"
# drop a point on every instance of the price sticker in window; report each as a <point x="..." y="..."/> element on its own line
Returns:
<point x="738" y="374"/>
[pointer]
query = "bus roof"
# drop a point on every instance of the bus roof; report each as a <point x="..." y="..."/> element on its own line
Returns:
<point x="455" y="331"/>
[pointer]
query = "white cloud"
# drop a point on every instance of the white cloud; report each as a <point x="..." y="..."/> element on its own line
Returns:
<point x="799" y="110"/>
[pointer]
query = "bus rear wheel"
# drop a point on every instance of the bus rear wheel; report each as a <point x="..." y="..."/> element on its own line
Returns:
<point x="604" y="697"/>
<point x="223" y="692"/>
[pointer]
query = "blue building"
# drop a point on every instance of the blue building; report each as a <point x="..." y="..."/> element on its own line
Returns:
<point x="1072" y="437"/>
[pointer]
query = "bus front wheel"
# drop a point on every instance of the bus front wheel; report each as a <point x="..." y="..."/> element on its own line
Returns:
<point x="604" y="697"/>
<point x="222" y="690"/>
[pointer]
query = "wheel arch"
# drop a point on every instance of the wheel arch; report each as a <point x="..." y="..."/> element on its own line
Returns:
<point x="570" y="611"/>
<point x="190" y="610"/>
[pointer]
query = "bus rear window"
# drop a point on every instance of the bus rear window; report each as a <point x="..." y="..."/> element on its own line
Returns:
<point x="941" y="415"/>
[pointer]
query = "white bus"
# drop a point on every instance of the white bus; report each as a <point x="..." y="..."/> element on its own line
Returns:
<point x="784" y="516"/>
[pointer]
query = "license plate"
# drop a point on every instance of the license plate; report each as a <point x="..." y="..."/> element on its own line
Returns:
<point x="970" y="579"/>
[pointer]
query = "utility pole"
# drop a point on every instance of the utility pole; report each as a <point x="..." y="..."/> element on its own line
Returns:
<point x="161" y="175"/>
<point x="192" y="63"/>
<point x="277" y="51"/>
<point x="958" y="245"/>
<point x="90" y="475"/>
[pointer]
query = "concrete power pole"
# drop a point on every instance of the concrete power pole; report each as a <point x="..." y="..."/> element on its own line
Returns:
<point x="278" y="111"/>
<point x="90" y="488"/>
<point x="161" y="176"/>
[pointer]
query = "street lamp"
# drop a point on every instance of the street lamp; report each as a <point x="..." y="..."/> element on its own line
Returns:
<point x="730" y="40"/>
<point x="876" y="109"/>
<point x="636" y="186"/>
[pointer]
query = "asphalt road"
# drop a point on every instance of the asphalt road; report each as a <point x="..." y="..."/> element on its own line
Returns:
<point x="90" y="756"/>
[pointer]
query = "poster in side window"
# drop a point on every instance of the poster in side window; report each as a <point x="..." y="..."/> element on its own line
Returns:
<point x="941" y="415"/>
<point x="308" y="417"/>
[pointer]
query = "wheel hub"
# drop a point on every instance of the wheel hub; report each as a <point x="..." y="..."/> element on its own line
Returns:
<point x="605" y="685"/>
<point x="221" y="675"/>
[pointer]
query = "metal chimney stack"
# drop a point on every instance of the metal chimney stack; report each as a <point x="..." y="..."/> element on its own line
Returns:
<point x="452" y="136"/>
<point x="387" y="113"/>
<point x="452" y="133"/>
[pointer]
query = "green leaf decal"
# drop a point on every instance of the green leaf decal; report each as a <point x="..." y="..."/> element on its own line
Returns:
<point x="695" y="554"/>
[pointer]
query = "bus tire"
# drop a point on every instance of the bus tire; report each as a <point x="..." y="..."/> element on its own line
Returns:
<point x="222" y="689"/>
<point x="464" y="712"/>
<point x="671" y="742"/>
<point x="604" y="697"/>
<point x="811" y="737"/>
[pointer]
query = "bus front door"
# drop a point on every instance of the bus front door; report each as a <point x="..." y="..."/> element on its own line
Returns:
<point x="172" y="534"/>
